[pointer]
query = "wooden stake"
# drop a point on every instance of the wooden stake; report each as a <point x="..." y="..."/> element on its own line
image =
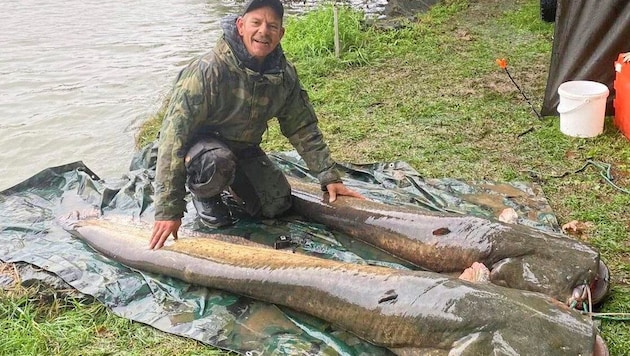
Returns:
<point x="336" y="22"/>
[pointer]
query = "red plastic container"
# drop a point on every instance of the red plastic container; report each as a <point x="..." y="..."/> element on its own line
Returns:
<point x="622" y="96"/>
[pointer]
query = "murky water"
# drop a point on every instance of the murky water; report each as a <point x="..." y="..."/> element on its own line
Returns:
<point x="77" y="78"/>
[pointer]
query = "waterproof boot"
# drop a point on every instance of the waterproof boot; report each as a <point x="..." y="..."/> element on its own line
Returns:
<point x="213" y="211"/>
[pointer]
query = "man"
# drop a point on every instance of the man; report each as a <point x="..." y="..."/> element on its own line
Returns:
<point x="213" y="126"/>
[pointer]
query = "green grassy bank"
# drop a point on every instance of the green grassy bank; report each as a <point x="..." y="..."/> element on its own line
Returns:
<point x="428" y="93"/>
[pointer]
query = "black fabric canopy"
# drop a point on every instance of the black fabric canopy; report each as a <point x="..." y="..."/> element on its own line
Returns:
<point x="589" y="36"/>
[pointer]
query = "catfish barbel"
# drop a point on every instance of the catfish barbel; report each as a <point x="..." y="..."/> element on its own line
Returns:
<point x="518" y="256"/>
<point x="408" y="312"/>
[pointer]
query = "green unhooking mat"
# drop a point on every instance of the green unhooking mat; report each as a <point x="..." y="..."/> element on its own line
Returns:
<point x="30" y="233"/>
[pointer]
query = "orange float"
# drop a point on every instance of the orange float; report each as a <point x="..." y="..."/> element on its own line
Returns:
<point x="622" y="96"/>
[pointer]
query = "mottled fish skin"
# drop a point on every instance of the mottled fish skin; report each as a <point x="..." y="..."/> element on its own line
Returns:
<point x="518" y="256"/>
<point x="409" y="312"/>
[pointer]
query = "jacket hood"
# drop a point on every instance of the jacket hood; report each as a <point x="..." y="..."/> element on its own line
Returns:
<point x="273" y="62"/>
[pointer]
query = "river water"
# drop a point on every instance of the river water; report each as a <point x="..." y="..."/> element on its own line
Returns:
<point x="78" y="77"/>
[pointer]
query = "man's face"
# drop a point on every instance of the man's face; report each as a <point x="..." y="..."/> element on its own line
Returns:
<point x="261" y="30"/>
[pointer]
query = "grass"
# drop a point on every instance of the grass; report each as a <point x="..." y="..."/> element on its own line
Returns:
<point x="40" y="321"/>
<point x="428" y="93"/>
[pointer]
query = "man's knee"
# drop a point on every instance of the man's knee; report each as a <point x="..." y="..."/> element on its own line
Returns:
<point x="210" y="167"/>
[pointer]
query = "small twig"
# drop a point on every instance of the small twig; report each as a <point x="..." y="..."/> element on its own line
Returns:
<point x="502" y="62"/>
<point x="531" y="129"/>
<point x="522" y="93"/>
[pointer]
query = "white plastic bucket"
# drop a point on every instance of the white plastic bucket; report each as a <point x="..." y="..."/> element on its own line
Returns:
<point x="582" y="108"/>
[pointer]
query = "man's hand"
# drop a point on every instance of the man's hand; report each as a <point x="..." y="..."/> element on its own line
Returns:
<point x="335" y="189"/>
<point x="162" y="229"/>
<point x="626" y="57"/>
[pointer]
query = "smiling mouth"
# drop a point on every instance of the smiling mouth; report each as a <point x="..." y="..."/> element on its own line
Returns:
<point x="263" y="42"/>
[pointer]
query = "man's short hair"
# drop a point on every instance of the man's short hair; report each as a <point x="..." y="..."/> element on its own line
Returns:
<point x="276" y="5"/>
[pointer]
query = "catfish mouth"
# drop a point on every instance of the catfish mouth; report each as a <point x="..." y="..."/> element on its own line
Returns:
<point x="74" y="217"/>
<point x="585" y="296"/>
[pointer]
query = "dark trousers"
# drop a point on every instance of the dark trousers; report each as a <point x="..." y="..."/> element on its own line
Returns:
<point x="213" y="165"/>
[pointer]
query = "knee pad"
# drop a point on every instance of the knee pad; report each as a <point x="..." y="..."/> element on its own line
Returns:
<point x="210" y="168"/>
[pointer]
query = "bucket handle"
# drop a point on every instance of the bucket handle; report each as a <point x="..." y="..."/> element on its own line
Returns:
<point x="586" y="101"/>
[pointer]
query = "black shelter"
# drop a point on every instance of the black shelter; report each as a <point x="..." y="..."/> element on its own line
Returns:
<point x="589" y="35"/>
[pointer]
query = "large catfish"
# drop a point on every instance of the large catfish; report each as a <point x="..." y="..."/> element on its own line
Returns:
<point x="409" y="312"/>
<point x="518" y="256"/>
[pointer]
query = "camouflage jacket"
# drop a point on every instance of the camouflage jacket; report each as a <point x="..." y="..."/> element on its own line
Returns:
<point x="220" y="94"/>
